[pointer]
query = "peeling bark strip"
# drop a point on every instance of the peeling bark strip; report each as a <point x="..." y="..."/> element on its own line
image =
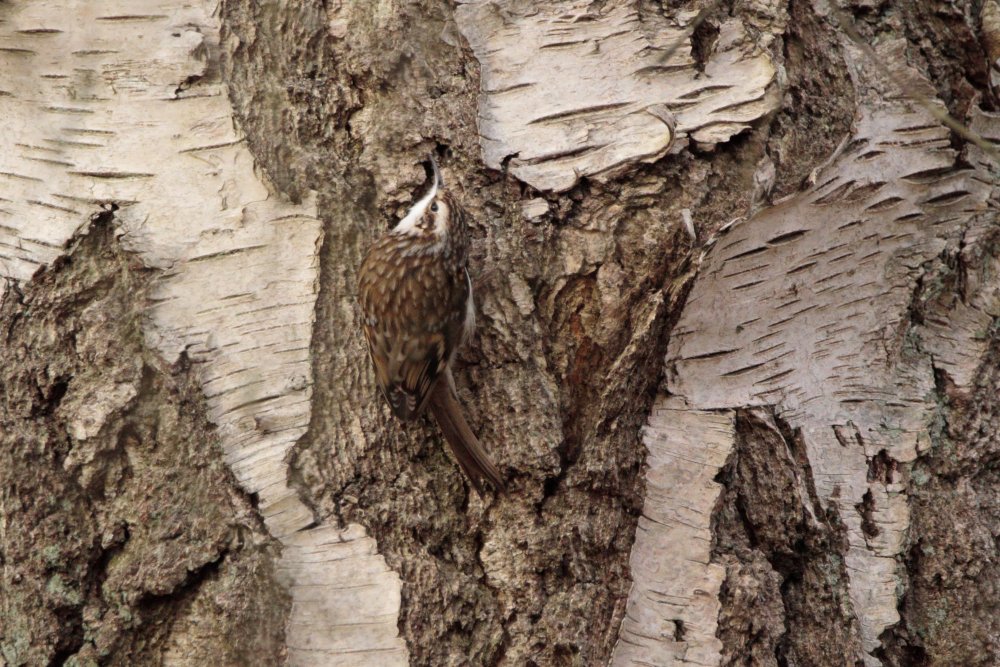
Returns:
<point x="806" y="307"/>
<point x="673" y="608"/>
<point x="138" y="119"/>
<point x="571" y="90"/>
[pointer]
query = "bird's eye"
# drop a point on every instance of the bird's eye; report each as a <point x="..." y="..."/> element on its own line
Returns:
<point x="434" y="207"/>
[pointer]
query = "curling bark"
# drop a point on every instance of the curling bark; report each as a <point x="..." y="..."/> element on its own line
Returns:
<point x="774" y="443"/>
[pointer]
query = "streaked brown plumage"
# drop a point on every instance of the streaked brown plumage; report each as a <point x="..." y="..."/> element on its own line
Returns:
<point x="416" y="299"/>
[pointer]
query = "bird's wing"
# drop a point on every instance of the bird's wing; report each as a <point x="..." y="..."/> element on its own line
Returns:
<point x="407" y="371"/>
<point x="413" y="325"/>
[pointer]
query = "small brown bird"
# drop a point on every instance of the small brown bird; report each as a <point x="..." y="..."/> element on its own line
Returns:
<point x="416" y="299"/>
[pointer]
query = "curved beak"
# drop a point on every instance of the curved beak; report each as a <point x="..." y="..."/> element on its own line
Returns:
<point x="438" y="181"/>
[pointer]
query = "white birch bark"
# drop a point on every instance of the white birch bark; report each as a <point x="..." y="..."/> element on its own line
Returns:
<point x="118" y="105"/>
<point x="799" y="314"/>
<point x="804" y="308"/>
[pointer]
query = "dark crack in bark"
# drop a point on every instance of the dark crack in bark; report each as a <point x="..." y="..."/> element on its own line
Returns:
<point x="785" y="596"/>
<point x="117" y="511"/>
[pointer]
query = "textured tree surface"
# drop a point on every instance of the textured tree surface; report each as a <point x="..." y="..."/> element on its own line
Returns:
<point x="115" y="541"/>
<point x="770" y="440"/>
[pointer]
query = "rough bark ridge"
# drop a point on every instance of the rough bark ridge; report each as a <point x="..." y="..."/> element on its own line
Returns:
<point x="571" y="288"/>
<point x="235" y="266"/>
<point x="124" y="538"/>
<point x="812" y="307"/>
<point x="829" y="403"/>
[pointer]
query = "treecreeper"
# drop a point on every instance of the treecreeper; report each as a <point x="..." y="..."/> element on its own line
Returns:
<point x="417" y="311"/>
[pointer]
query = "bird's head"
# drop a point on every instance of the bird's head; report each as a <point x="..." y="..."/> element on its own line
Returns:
<point x="432" y="215"/>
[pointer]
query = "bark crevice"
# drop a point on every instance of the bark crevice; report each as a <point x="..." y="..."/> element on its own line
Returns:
<point x="92" y="416"/>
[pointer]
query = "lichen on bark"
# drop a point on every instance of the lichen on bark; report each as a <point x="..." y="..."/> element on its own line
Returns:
<point x="120" y="520"/>
<point x="123" y="537"/>
<point x="785" y="597"/>
<point x="574" y="302"/>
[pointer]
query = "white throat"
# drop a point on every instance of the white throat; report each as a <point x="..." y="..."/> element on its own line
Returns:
<point x="407" y="224"/>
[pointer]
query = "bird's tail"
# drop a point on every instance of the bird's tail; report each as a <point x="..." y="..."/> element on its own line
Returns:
<point x="475" y="462"/>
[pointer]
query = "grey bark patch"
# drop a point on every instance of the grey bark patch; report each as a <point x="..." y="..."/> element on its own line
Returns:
<point x="949" y="611"/>
<point x="808" y="305"/>
<point x="118" y="533"/>
<point x="675" y="580"/>
<point x="785" y="599"/>
<point x="527" y="578"/>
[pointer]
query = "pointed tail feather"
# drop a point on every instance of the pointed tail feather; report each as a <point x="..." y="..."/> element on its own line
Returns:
<point x="471" y="456"/>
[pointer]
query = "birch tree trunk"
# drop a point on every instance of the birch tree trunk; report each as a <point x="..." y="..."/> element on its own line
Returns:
<point x="737" y="355"/>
